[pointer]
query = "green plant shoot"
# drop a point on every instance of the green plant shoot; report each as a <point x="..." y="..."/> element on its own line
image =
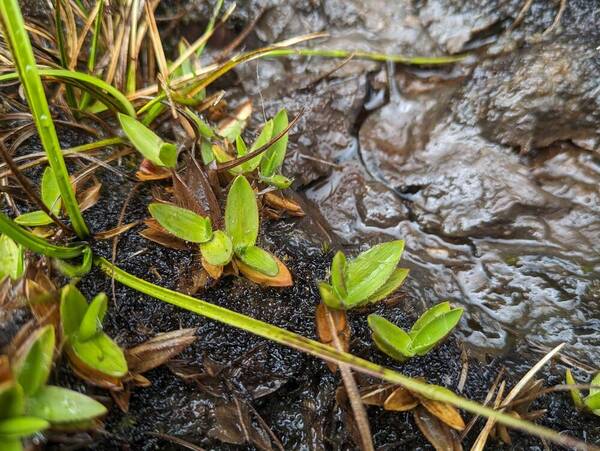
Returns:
<point x="370" y="277"/>
<point x="11" y="258"/>
<point x="428" y="331"/>
<point x="148" y="143"/>
<point x="50" y="194"/>
<point x="87" y="344"/>
<point x="590" y="402"/>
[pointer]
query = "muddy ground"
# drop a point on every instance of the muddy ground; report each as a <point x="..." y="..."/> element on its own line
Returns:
<point x="489" y="169"/>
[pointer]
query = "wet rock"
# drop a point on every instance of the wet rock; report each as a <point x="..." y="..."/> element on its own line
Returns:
<point x="535" y="96"/>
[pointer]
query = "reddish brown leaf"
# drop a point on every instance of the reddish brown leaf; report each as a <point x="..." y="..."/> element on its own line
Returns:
<point x="164" y="239"/>
<point x="91" y="375"/>
<point x="375" y="395"/>
<point x="326" y="334"/>
<point x="148" y="171"/>
<point x="214" y="271"/>
<point x="282" y="279"/>
<point x="281" y="203"/>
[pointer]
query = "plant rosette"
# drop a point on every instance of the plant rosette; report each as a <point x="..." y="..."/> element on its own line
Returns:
<point x="369" y="278"/>
<point x="94" y="356"/>
<point x="236" y="244"/>
<point x="427" y="332"/>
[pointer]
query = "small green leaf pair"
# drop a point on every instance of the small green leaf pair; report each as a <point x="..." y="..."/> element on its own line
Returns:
<point x="270" y="161"/>
<point x="219" y="247"/>
<point x="429" y="330"/>
<point x="11" y="258"/>
<point x="148" y="143"/>
<point x="592" y="400"/>
<point x="50" y="195"/>
<point x="28" y="405"/>
<point x="370" y="277"/>
<point x="94" y="356"/>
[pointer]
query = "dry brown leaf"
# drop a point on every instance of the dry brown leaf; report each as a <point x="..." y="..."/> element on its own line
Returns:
<point x="400" y="400"/>
<point x="89" y="197"/>
<point x="441" y="437"/>
<point x="116" y="231"/>
<point x="214" y="271"/>
<point x="282" y="279"/>
<point x="5" y="372"/>
<point x="241" y="113"/>
<point x="158" y="350"/>
<point x="325" y="333"/>
<point x="164" y="239"/>
<point x="121" y="399"/>
<point x="445" y="412"/>
<point x="280" y="202"/>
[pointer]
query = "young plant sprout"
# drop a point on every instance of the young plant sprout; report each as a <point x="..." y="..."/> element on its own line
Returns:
<point x="592" y="401"/>
<point x="148" y="143"/>
<point x="93" y="355"/>
<point x="370" y="277"/>
<point x="236" y="243"/>
<point x="50" y="195"/>
<point x="11" y="258"/>
<point x="429" y="330"/>
<point x="27" y="404"/>
<point x="269" y="162"/>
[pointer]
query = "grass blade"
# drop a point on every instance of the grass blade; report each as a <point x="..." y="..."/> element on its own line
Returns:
<point x="16" y="35"/>
<point x="329" y="354"/>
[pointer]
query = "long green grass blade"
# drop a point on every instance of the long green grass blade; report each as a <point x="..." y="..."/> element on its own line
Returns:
<point x="16" y="35"/>
<point x="105" y="93"/>
<point x="328" y="353"/>
<point x="35" y="243"/>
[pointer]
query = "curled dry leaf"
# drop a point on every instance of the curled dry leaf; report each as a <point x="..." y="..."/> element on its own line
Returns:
<point x="281" y="203"/>
<point x="444" y="412"/>
<point x="149" y="171"/>
<point x="437" y="433"/>
<point x="375" y="395"/>
<point x="400" y="400"/>
<point x="116" y="231"/>
<point x="158" y="350"/>
<point x="282" y="279"/>
<point x="88" y="198"/>
<point x="325" y="333"/>
<point x="163" y="238"/>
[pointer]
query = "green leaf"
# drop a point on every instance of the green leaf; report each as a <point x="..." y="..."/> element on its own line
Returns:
<point x="34" y="219"/>
<point x="11" y="258"/>
<point x="101" y="354"/>
<point x="338" y="269"/>
<point x="206" y="151"/>
<point x="263" y="138"/>
<point x="329" y="297"/>
<point x="575" y="393"/>
<point x="148" y="143"/>
<point x="50" y="191"/>
<point x="73" y="306"/>
<point x="217" y="251"/>
<point x="60" y="405"/>
<point x="393" y="283"/>
<point x="92" y="320"/>
<point x="435" y="331"/>
<point x="182" y="223"/>
<point x="368" y="272"/>
<point x="241" y="214"/>
<point x="240" y="146"/>
<point x="19" y="427"/>
<point x="74" y="271"/>
<point x="278" y="181"/>
<point x="593" y="402"/>
<point x="259" y="259"/>
<point x="429" y="315"/>
<point x="12" y="400"/>
<point x="10" y="444"/>
<point x="594" y="393"/>
<point x="390" y="339"/>
<point x="32" y="367"/>
<point x="273" y="158"/>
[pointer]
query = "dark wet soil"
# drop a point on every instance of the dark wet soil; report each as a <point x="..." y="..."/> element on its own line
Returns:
<point x="490" y="170"/>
